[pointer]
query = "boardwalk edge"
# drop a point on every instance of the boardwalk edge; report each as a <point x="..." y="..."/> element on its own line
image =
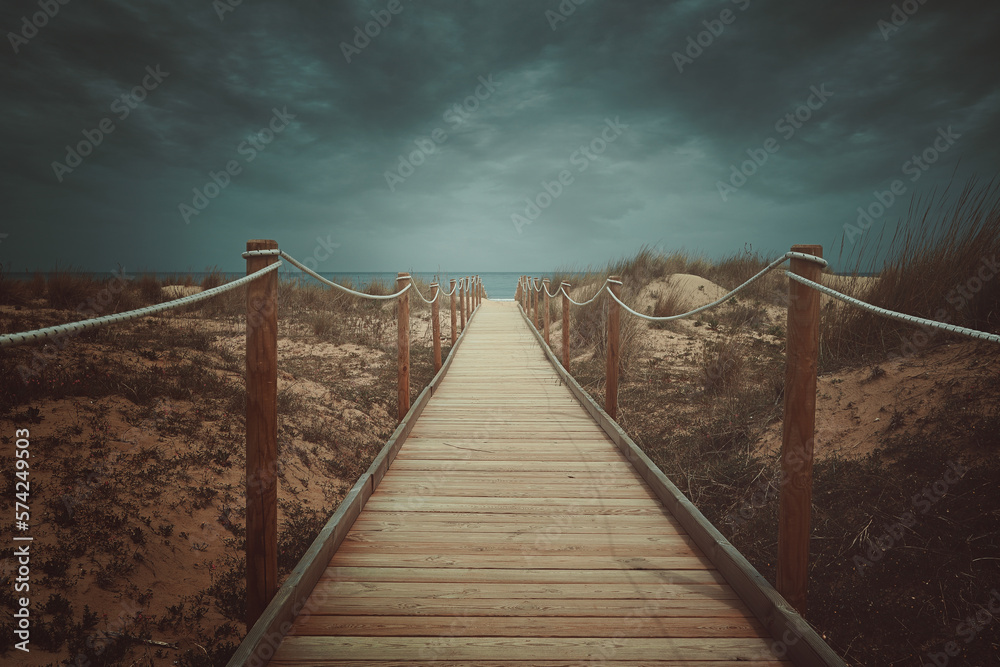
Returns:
<point x="793" y="636"/>
<point x="263" y="639"/>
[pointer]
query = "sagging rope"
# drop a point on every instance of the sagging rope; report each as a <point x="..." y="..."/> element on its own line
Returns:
<point x="885" y="312"/>
<point x="770" y="267"/>
<point x="902" y="317"/>
<point x="305" y="269"/>
<point x="14" y="339"/>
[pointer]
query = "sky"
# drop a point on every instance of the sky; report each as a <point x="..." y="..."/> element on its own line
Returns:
<point x="503" y="135"/>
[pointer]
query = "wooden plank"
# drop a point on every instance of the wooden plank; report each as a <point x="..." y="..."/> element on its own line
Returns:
<point x="520" y="575"/>
<point x="628" y="608"/>
<point x="525" y="626"/>
<point x="441" y="591"/>
<point x="529" y="561"/>
<point x="521" y="648"/>
<point x="537" y="663"/>
<point x="533" y="663"/>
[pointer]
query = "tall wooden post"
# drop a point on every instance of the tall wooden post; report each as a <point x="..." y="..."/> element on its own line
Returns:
<point x="614" y="348"/>
<point x="262" y="433"/>
<point x="565" y="325"/>
<point x="403" y="345"/>
<point x="545" y="286"/>
<point x="436" y="325"/>
<point x="517" y="292"/>
<point x="536" y="300"/>
<point x="461" y="301"/>
<point x="454" y="314"/>
<point x="802" y="353"/>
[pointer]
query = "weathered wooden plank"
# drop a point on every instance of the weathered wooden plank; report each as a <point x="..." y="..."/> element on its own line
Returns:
<point x="535" y="663"/>
<point x="441" y="591"/>
<point x="525" y="626"/>
<point x="520" y="575"/>
<point x="530" y="561"/>
<point x="522" y="648"/>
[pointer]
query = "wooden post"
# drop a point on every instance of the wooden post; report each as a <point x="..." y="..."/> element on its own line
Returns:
<point x="545" y="286"/>
<point x="262" y="433"/>
<point x="614" y="348"/>
<point x="802" y="352"/>
<point x="454" y="315"/>
<point x="468" y="296"/>
<point x="436" y="325"/>
<point x="403" y="345"/>
<point x="535" y="300"/>
<point x="565" y="325"/>
<point x="517" y="292"/>
<point x="461" y="301"/>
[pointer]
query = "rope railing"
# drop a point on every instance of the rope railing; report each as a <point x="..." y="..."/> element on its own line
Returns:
<point x="264" y="258"/>
<point x="14" y="339"/>
<point x="902" y="317"/>
<point x="329" y="283"/>
<point x="802" y="361"/>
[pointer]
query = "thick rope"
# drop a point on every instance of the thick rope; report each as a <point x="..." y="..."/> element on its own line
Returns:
<point x="11" y="340"/>
<point x="770" y="267"/>
<point x="437" y="295"/>
<point x="910" y="319"/>
<point x="550" y="295"/>
<point x="306" y="269"/>
<point x="577" y="303"/>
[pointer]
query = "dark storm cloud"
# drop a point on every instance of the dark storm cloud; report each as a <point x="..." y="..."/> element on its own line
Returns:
<point x="550" y="93"/>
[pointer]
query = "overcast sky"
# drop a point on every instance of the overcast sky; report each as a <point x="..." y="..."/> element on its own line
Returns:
<point x="348" y="147"/>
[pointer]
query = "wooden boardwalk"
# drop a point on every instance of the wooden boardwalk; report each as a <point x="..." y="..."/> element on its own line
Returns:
<point x="511" y="530"/>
